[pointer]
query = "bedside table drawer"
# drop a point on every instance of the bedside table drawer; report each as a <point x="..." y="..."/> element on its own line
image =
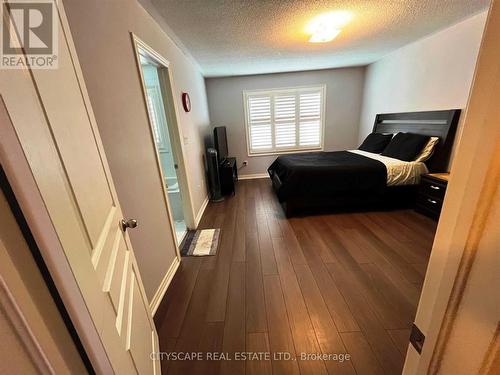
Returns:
<point x="431" y="194"/>
<point x="432" y="188"/>
<point x="429" y="205"/>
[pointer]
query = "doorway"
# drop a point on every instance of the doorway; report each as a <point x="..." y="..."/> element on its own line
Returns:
<point x="157" y="91"/>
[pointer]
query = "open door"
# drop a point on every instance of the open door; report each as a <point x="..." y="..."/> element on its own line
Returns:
<point x="53" y="156"/>
<point x="158" y="89"/>
<point x="459" y="309"/>
<point x="155" y="78"/>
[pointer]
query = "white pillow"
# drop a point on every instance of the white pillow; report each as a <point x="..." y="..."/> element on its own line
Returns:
<point x="428" y="150"/>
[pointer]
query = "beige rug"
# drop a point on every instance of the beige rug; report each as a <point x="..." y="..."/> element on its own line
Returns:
<point x="200" y="243"/>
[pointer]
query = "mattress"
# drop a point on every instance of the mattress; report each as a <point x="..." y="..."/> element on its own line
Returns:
<point x="399" y="172"/>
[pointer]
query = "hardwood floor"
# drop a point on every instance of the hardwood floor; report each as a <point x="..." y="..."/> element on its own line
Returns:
<point x="331" y="284"/>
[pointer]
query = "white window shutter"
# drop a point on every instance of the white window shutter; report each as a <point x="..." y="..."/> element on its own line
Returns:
<point x="259" y="122"/>
<point x="284" y="120"/>
<point x="310" y="119"/>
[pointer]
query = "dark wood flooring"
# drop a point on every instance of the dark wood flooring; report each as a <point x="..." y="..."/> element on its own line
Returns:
<point x="331" y="284"/>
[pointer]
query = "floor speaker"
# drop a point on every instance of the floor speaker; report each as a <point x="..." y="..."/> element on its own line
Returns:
<point x="213" y="176"/>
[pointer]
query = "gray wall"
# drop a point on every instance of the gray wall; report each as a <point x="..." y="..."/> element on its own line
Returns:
<point x="344" y="93"/>
<point x="101" y="32"/>
<point x="430" y="74"/>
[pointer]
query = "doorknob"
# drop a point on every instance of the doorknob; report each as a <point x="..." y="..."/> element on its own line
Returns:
<point x="128" y="223"/>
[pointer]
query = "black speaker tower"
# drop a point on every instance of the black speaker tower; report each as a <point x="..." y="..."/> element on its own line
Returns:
<point x="213" y="176"/>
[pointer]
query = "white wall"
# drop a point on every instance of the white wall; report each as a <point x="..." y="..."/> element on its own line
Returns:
<point x="430" y="74"/>
<point x="344" y="92"/>
<point x="101" y="32"/>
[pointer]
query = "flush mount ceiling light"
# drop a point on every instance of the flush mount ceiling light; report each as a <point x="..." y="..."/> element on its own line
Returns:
<point x="324" y="36"/>
<point x="327" y="26"/>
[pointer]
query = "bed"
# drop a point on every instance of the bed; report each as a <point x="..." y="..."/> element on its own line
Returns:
<point x="355" y="179"/>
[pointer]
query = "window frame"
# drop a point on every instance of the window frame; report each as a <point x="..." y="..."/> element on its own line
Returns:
<point x="285" y="90"/>
<point x="157" y="118"/>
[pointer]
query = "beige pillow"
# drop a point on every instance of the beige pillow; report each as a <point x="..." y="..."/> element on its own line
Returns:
<point x="428" y="150"/>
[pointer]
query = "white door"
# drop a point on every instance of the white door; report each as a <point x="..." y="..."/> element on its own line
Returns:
<point x="52" y="117"/>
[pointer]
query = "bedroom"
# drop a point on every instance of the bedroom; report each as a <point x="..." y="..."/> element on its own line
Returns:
<point x="314" y="194"/>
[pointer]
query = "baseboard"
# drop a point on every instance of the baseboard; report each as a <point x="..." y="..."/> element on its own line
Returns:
<point x="162" y="289"/>
<point x="201" y="211"/>
<point x="253" y="176"/>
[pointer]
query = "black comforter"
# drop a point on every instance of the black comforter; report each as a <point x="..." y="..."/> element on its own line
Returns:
<point x="327" y="173"/>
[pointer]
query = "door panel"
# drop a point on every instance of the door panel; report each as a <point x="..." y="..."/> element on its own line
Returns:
<point x="140" y="332"/>
<point x="102" y="251"/>
<point x="117" y="272"/>
<point x="52" y="117"/>
<point x="124" y="306"/>
<point x="69" y="122"/>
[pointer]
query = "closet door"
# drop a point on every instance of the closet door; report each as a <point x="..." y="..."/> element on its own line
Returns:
<point x="51" y="114"/>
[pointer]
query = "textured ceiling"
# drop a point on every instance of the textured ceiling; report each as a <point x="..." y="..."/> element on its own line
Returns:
<point x="236" y="37"/>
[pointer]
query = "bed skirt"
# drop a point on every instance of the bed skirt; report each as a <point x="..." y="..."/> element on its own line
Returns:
<point x="393" y="197"/>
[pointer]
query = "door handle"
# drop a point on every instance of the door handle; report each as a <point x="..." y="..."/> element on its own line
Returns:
<point x="128" y="223"/>
<point x="435" y="187"/>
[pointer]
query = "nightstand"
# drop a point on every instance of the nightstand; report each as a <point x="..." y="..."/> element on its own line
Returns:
<point x="431" y="194"/>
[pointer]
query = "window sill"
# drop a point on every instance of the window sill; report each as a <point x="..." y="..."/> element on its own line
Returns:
<point x="294" y="151"/>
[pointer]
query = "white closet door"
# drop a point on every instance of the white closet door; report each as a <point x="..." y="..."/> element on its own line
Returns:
<point x="52" y="116"/>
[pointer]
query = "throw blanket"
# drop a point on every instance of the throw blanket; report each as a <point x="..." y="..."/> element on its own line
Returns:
<point x="327" y="173"/>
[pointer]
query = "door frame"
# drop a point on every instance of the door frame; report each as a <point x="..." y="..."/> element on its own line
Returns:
<point x="473" y="179"/>
<point x="19" y="309"/>
<point x="172" y="114"/>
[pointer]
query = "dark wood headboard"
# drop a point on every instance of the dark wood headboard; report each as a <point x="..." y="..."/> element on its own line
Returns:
<point x="442" y="124"/>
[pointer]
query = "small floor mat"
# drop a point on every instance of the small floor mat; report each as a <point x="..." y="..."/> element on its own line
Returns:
<point x="202" y="242"/>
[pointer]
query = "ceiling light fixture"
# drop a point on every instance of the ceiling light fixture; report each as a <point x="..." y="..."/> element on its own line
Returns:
<point x="324" y="36"/>
<point x="327" y="26"/>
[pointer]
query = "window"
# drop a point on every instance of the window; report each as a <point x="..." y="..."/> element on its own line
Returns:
<point x="284" y="120"/>
<point x="156" y="116"/>
<point x="151" y="93"/>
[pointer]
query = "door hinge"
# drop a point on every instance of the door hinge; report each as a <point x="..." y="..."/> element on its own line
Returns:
<point x="417" y="338"/>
